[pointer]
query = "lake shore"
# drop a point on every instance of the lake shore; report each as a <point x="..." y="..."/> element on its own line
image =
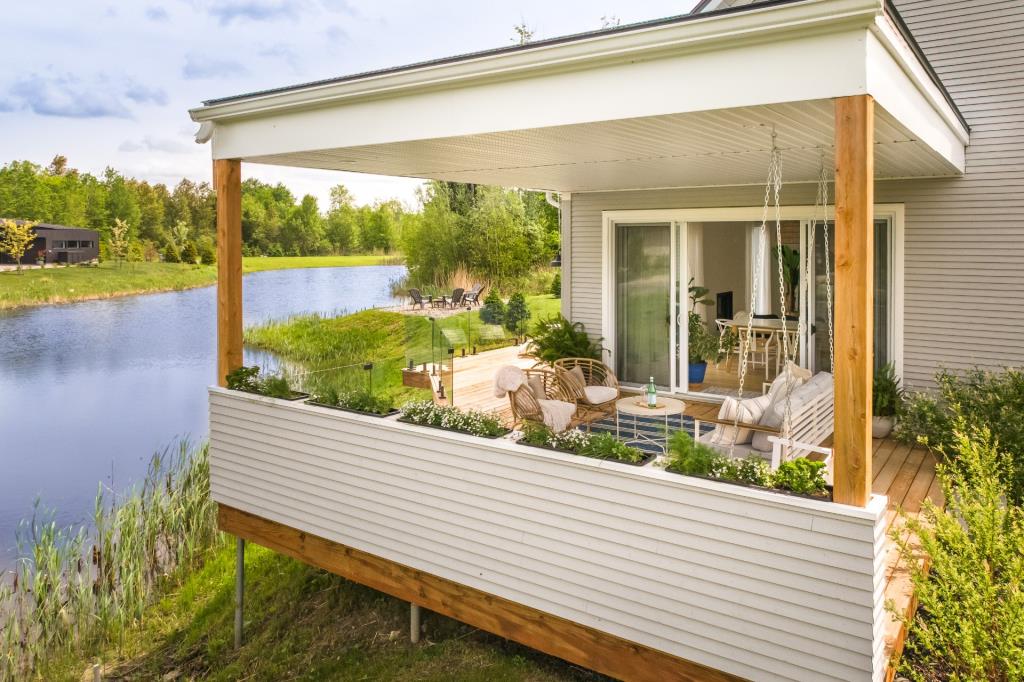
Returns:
<point x="57" y="285"/>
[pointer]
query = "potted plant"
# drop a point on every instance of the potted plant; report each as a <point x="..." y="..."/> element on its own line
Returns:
<point x="595" y="445"/>
<point x="451" y="418"/>
<point x="886" y="396"/>
<point x="702" y="346"/>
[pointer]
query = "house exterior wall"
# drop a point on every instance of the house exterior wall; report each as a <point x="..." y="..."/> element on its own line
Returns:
<point x="963" y="237"/>
<point x="761" y="585"/>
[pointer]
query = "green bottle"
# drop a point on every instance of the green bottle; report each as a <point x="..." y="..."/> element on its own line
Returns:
<point x="652" y="394"/>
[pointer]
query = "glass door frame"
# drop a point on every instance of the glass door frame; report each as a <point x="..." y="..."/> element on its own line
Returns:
<point x="679" y="219"/>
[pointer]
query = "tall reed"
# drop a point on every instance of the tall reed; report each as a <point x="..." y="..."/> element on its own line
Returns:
<point x="77" y="590"/>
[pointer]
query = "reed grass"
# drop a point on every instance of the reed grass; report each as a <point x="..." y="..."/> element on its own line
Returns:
<point x="80" y="589"/>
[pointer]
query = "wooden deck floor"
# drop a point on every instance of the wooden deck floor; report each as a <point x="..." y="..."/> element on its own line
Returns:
<point x="903" y="473"/>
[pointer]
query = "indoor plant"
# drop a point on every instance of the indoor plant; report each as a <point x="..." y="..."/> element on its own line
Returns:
<point x="702" y="346"/>
<point x="886" y="396"/>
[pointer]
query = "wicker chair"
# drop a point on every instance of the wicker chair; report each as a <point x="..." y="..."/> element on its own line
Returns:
<point x="525" y="406"/>
<point x="597" y="394"/>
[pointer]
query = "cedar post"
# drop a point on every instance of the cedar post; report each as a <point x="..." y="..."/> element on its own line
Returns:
<point x="227" y="181"/>
<point x="854" y="333"/>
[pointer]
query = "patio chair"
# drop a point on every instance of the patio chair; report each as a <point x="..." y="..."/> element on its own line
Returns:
<point x="591" y="384"/>
<point x="472" y="297"/>
<point x="417" y="298"/>
<point x="456" y="299"/>
<point x="540" y="398"/>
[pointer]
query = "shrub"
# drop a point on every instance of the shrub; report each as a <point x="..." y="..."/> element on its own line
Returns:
<point x="516" y="313"/>
<point x="596" y="445"/>
<point x="688" y="457"/>
<point x="970" y="620"/>
<point x="981" y="398"/>
<point x="190" y="254"/>
<point x="363" y="401"/>
<point x="800" y="475"/>
<point x="493" y="310"/>
<point x="207" y="254"/>
<point x="248" y="379"/>
<point x="556" y="337"/>
<point x="171" y="254"/>
<point x="473" y="422"/>
<point x="886" y="393"/>
<point x="556" y="285"/>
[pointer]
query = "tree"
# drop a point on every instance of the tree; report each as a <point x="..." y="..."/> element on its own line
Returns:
<point x="341" y="227"/>
<point x="16" y="238"/>
<point x="119" y="241"/>
<point x="493" y="310"/>
<point x="190" y="254"/>
<point x="517" y="313"/>
<point x="207" y="254"/>
<point x="179" y="233"/>
<point x="171" y="254"/>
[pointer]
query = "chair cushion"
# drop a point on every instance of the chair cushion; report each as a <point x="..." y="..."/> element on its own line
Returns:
<point x="577" y="373"/>
<point x="749" y="411"/>
<point x="600" y="394"/>
<point x="536" y="385"/>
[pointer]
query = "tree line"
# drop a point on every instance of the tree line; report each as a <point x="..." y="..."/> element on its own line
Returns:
<point x="492" y="233"/>
<point x="168" y="220"/>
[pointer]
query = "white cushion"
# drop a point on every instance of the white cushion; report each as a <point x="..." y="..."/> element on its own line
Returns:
<point x="749" y="412"/>
<point x="599" y="394"/>
<point x="536" y="385"/>
<point x="775" y="414"/>
<point x="791" y="373"/>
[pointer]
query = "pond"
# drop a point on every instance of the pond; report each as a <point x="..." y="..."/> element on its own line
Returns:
<point x="89" y="391"/>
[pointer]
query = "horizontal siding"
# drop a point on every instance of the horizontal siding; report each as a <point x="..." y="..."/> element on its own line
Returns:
<point x="760" y="585"/>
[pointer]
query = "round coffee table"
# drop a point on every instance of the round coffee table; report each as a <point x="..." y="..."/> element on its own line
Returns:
<point x="636" y="407"/>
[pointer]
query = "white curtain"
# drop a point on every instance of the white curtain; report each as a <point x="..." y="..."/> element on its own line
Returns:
<point x="763" y="302"/>
<point x="694" y="265"/>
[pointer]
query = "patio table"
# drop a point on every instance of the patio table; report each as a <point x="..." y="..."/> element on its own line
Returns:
<point x="636" y="407"/>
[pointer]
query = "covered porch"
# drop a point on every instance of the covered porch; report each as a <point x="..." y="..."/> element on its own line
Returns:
<point x="709" y="581"/>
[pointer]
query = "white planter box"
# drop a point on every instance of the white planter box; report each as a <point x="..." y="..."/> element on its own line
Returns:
<point x="758" y="584"/>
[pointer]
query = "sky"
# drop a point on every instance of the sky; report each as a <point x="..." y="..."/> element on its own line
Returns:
<point x="110" y="83"/>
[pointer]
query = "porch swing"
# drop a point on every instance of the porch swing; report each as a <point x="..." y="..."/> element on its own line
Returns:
<point x="796" y="412"/>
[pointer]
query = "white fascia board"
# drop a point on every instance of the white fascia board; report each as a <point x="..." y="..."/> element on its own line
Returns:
<point x="746" y="74"/>
<point x="901" y="85"/>
<point x="699" y="34"/>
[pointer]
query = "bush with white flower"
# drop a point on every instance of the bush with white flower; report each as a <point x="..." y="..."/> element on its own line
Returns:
<point x="473" y="422"/>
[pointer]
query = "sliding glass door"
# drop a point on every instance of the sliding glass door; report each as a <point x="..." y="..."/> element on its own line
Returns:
<point x="643" y="303"/>
<point x="819" y="337"/>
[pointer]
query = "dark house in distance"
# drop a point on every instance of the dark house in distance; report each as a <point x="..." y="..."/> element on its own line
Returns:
<point x="60" y="244"/>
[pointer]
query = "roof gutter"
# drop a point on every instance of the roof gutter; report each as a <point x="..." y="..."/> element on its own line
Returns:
<point x="700" y="32"/>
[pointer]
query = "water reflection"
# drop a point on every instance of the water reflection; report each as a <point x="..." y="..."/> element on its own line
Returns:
<point x="89" y="390"/>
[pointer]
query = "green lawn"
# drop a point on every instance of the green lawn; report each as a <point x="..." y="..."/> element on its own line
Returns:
<point x="66" y="284"/>
<point x="303" y="623"/>
<point x="387" y="339"/>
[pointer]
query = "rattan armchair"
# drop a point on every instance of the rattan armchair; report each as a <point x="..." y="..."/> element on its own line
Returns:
<point x="525" y="404"/>
<point x="596" y="394"/>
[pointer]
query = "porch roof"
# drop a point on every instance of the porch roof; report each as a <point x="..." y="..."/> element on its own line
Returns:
<point x="683" y="102"/>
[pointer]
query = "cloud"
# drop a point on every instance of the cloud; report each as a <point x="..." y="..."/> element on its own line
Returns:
<point x="149" y="143"/>
<point x="204" y="66"/>
<point x="283" y="53"/>
<point x="336" y="34"/>
<point x="157" y="14"/>
<point x="254" y="10"/>
<point x="70" y="96"/>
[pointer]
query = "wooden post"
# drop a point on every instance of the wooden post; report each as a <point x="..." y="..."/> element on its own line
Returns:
<point x="854" y="333"/>
<point x="227" y="181"/>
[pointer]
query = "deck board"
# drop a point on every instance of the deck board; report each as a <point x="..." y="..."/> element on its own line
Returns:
<point x="904" y="473"/>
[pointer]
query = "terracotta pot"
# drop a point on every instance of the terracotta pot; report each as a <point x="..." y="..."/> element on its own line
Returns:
<point x="881" y="426"/>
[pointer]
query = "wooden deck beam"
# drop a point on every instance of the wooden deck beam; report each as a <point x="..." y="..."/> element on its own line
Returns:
<point x="854" y="327"/>
<point x="227" y="181"/>
<point x="553" y="635"/>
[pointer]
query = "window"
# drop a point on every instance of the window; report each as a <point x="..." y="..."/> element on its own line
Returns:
<point x="85" y="245"/>
<point x="71" y="244"/>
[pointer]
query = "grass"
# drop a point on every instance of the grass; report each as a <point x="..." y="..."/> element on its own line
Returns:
<point x="303" y="623"/>
<point x="389" y="340"/>
<point x="67" y="284"/>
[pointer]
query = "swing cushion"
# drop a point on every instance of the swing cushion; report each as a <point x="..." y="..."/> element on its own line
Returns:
<point x="750" y="411"/>
<point x="799" y="375"/>
<point x="775" y="413"/>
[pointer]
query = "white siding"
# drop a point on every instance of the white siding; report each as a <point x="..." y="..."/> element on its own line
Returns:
<point x="761" y="585"/>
